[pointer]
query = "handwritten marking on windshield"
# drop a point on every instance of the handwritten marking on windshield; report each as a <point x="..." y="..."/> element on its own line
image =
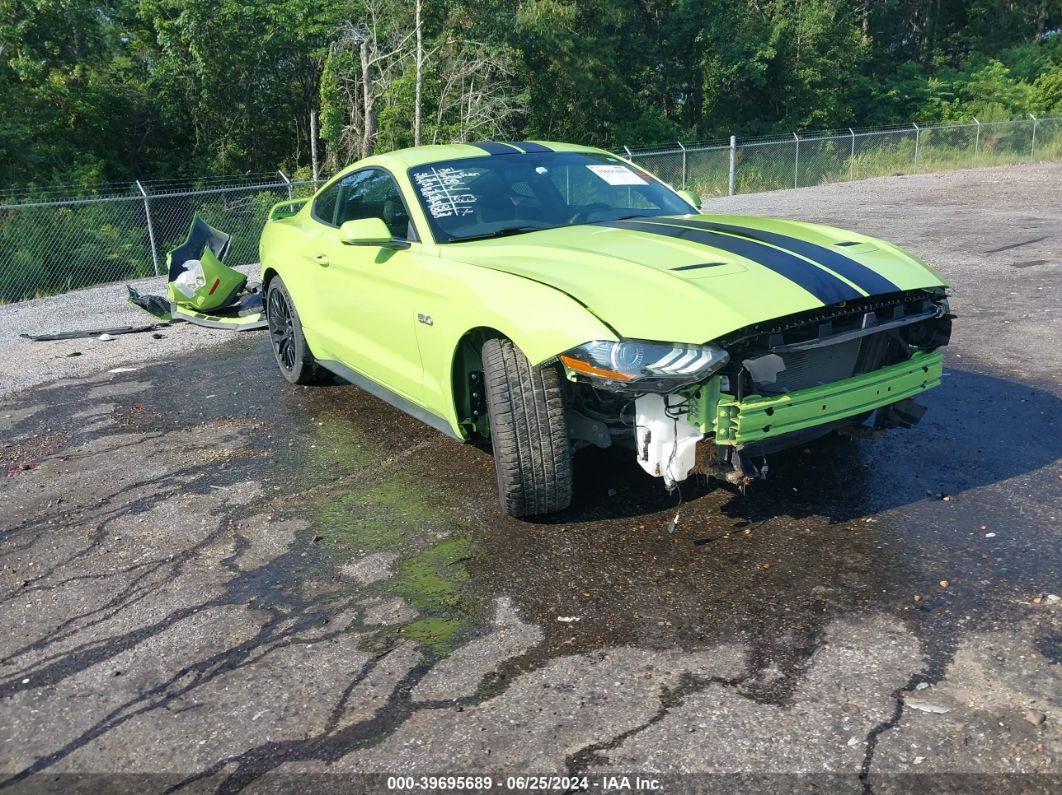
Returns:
<point x="441" y="191"/>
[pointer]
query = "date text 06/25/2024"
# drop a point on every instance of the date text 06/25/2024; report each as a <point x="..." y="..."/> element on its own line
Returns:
<point x="523" y="783"/>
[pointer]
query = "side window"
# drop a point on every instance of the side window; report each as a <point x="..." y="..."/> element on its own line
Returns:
<point x="374" y="194"/>
<point x="370" y="193"/>
<point x="324" y="206"/>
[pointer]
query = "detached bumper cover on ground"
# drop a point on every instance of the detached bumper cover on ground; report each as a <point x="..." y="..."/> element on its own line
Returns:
<point x="201" y="289"/>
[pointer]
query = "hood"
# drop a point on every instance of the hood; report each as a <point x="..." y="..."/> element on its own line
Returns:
<point x="695" y="278"/>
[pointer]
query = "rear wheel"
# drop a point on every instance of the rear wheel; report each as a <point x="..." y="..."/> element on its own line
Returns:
<point x="293" y="355"/>
<point x="528" y="430"/>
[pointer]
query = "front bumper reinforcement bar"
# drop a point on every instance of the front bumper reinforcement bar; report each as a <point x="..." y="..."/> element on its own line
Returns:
<point x="760" y="417"/>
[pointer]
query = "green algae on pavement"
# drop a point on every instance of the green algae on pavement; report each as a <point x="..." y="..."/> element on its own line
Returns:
<point x="437" y="585"/>
<point x="437" y="635"/>
<point x="337" y="448"/>
<point x="382" y="517"/>
<point x="434" y="580"/>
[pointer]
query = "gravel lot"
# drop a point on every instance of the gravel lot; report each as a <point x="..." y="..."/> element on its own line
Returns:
<point x="213" y="581"/>
<point x="24" y="363"/>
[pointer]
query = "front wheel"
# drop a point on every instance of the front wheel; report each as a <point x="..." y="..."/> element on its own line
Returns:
<point x="293" y="355"/>
<point x="528" y="430"/>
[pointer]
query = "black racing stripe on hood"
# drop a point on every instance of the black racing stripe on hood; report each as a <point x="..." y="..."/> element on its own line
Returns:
<point x="864" y="278"/>
<point x="820" y="283"/>
<point x="495" y="148"/>
<point x="531" y="147"/>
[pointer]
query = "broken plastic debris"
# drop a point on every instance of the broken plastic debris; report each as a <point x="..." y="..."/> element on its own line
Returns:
<point x="87" y="333"/>
<point x="925" y="706"/>
<point x="191" y="279"/>
<point x="201" y="289"/>
<point x="105" y="337"/>
<point x="567" y="619"/>
<point x="673" y="524"/>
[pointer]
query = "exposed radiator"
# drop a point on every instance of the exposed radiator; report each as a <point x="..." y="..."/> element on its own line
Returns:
<point x="774" y="373"/>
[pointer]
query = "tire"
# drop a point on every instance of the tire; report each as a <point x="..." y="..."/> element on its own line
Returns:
<point x="289" y="346"/>
<point x="528" y="431"/>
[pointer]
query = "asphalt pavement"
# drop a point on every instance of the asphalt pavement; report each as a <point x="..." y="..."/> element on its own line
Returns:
<point x="213" y="581"/>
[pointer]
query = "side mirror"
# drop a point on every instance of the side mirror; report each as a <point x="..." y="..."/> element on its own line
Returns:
<point x="368" y="232"/>
<point x="691" y="197"/>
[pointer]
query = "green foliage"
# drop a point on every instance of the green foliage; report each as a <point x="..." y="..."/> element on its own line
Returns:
<point x="52" y="249"/>
<point x="1048" y="97"/>
<point x="985" y="90"/>
<point x="125" y="89"/>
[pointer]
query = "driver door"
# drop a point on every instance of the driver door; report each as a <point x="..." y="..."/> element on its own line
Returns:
<point x="366" y="294"/>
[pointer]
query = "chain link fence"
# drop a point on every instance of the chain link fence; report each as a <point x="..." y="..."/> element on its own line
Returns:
<point x="53" y="240"/>
<point x="721" y="168"/>
<point x="59" y="239"/>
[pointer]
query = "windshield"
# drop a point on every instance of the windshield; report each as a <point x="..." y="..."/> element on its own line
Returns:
<point x="497" y="195"/>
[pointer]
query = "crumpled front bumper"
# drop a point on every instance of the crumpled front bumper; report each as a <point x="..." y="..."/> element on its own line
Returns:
<point x="756" y="417"/>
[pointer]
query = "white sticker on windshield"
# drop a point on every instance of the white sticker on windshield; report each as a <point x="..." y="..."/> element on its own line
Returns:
<point x="617" y="175"/>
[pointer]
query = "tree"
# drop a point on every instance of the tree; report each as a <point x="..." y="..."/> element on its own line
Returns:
<point x="383" y="45"/>
<point x="474" y="100"/>
<point x="122" y="89"/>
<point x="419" y="91"/>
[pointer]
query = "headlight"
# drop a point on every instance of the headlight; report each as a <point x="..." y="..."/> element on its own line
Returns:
<point x="632" y="365"/>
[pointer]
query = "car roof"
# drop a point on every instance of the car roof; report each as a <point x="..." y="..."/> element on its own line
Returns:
<point x="401" y="159"/>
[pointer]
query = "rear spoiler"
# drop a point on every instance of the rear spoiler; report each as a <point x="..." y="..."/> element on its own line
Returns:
<point x="282" y="210"/>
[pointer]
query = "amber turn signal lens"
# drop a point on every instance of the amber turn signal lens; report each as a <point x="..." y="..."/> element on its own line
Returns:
<point x="586" y="368"/>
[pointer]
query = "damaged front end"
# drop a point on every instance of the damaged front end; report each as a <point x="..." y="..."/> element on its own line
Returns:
<point x="719" y="408"/>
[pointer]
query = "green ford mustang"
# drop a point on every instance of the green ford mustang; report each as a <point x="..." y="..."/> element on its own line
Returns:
<point x="547" y="297"/>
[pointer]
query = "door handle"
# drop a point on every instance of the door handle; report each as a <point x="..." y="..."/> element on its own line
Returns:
<point x="321" y="259"/>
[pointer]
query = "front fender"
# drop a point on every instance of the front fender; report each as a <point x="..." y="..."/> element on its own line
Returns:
<point x="542" y="322"/>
